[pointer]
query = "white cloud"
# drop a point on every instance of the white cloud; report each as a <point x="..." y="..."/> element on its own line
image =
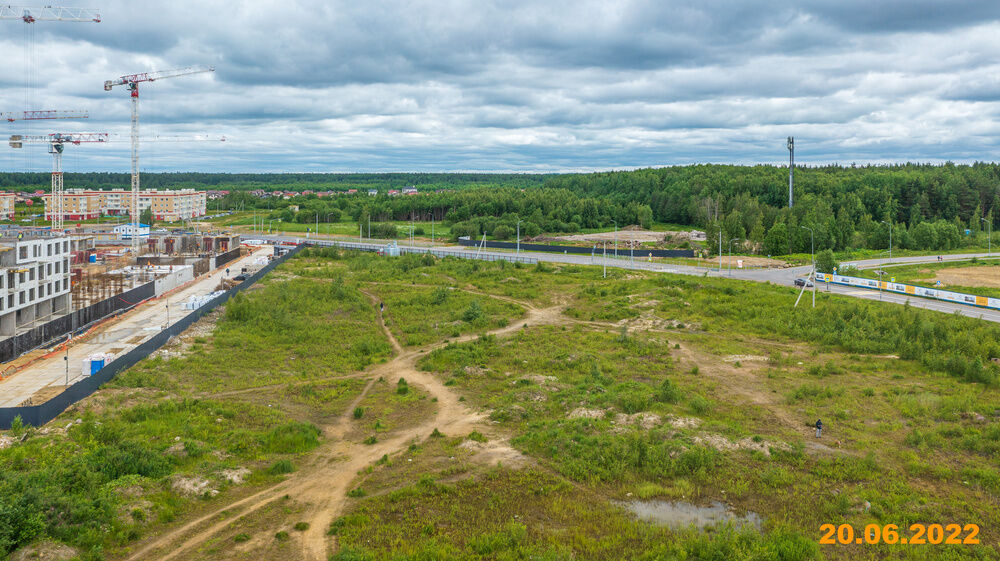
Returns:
<point x="519" y="85"/>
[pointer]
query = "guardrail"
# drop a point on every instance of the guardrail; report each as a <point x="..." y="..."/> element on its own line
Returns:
<point x="38" y="415"/>
<point x="912" y="290"/>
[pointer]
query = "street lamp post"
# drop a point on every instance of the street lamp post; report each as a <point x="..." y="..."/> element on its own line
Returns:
<point x="989" y="236"/>
<point x="518" y="252"/>
<point x="616" y="238"/>
<point x="812" y="248"/>
<point x="604" y="259"/>
<point x="731" y="255"/>
<point x="890" y="239"/>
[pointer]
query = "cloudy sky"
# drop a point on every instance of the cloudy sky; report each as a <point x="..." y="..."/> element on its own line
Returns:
<point x="514" y="85"/>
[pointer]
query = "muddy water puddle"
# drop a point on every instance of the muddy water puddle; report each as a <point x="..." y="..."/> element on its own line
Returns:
<point x="679" y="514"/>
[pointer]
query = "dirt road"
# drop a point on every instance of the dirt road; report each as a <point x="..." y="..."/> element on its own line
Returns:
<point x="323" y="482"/>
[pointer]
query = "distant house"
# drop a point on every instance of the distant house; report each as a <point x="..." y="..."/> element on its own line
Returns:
<point x="126" y="231"/>
<point x="372" y="192"/>
<point x="393" y="192"/>
<point x="411" y="190"/>
<point x="352" y="191"/>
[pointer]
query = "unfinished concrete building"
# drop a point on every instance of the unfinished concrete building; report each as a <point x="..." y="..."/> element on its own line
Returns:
<point x="191" y="244"/>
<point x="34" y="280"/>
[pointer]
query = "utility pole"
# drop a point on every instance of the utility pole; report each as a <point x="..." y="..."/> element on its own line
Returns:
<point x="791" y="169"/>
<point x="518" y="252"/>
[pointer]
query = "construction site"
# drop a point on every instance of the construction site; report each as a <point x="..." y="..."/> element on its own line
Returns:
<point x="91" y="292"/>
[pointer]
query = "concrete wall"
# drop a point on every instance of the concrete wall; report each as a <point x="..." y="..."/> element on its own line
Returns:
<point x="173" y="280"/>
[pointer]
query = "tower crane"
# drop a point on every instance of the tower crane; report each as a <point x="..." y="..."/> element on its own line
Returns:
<point x="57" y="142"/>
<point x="12" y="116"/>
<point x="29" y="14"/>
<point x="132" y="81"/>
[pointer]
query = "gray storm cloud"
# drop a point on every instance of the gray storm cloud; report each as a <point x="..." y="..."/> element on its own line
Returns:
<point x="525" y="86"/>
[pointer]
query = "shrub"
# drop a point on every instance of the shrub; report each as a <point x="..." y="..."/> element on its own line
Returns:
<point x="402" y="388"/>
<point x="359" y="412"/>
<point x="301" y="526"/>
<point x="699" y="405"/>
<point x="436" y="434"/>
<point x="240" y="538"/>
<point x="281" y="467"/>
<point x="291" y="438"/>
<point x="477" y="436"/>
<point x="473" y="312"/>
<point x="281" y="536"/>
<point x="356" y="493"/>
<point x="668" y="393"/>
<point x="371" y="440"/>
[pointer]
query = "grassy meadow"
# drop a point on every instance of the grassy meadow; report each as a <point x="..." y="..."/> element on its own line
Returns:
<point x="598" y="393"/>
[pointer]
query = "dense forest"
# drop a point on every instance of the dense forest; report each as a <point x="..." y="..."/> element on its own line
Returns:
<point x="929" y="207"/>
<point x="272" y="181"/>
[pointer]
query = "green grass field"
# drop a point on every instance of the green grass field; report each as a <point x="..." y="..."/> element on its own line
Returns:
<point x="551" y="398"/>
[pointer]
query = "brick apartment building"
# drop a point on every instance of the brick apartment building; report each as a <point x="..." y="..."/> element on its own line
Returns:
<point x="170" y="206"/>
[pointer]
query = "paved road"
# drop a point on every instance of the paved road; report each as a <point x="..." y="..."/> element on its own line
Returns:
<point x="118" y="336"/>
<point x="785" y="276"/>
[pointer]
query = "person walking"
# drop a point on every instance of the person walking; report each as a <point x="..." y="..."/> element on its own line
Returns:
<point x="381" y="307"/>
<point x="819" y="427"/>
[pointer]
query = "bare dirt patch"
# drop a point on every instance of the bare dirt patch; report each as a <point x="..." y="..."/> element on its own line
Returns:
<point x="970" y="276"/>
<point x="624" y="235"/>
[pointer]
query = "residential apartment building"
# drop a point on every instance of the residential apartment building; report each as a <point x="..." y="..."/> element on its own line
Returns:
<point x="7" y="206"/>
<point x="34" y="280"/>
<point x="166" y="205"/>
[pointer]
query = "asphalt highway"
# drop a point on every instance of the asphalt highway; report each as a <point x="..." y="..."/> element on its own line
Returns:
<point x="784" y="276"/>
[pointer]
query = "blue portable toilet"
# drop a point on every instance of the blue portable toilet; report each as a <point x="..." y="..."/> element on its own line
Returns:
<point x="96" y="365"/>
<point x="93" y="258"/>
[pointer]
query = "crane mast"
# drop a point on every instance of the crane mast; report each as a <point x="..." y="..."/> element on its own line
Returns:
<point x="132" y="82"/>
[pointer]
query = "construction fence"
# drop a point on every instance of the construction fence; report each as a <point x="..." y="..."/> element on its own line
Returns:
<point x="17" y="345"/>
<point x="38" y="415"/>
<point x="578" y="250"/>
<point x="437" y="252"/>
<point x="909" y="289"/>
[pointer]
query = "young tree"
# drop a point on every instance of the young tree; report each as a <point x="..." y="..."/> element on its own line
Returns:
<point x="825" y="262"/>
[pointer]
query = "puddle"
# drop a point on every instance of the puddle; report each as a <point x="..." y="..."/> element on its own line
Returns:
<point x="680" y="514"/>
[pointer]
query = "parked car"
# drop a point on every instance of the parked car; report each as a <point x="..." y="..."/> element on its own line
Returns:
<point x="803" y="282"/>
<point x="240" y="278"/>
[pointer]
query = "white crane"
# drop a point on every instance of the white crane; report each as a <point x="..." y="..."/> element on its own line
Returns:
<point x="57" y="143"/>
<point x="29" y="14"/>
<point x="132" y="81"/>
<point x="42" y="115"/>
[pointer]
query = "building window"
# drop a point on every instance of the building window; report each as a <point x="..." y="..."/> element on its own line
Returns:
<point x="20" y="297"/>
<point x="65" y="246"/>
<point x="22" y="252"/>
<point x="31" y="294"/>
<point x="31" y="274"/>
<point x="65" y="284"/>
